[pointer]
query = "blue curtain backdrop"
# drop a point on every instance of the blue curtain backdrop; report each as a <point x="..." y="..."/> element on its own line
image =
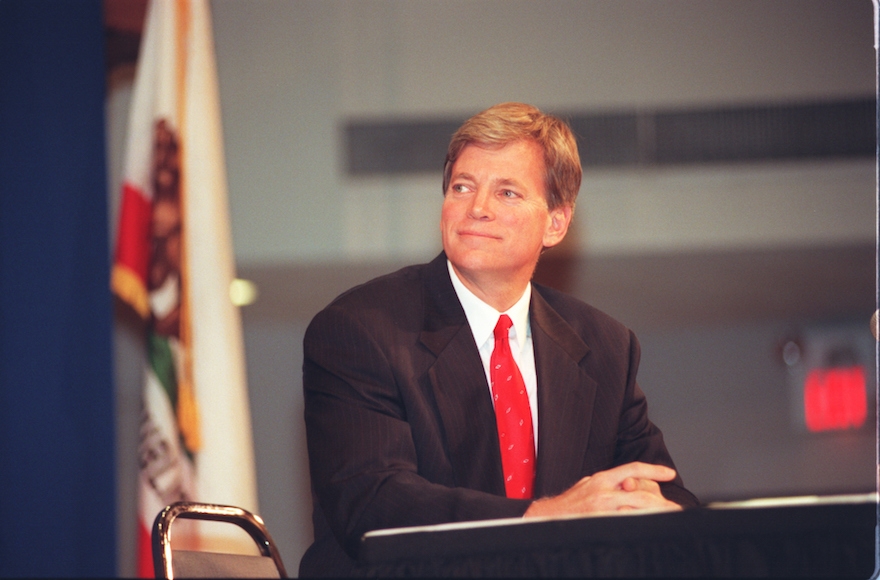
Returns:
<point x="57" y="488"/>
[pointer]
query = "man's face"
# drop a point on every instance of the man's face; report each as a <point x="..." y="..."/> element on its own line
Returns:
<point x="495" y="218"/>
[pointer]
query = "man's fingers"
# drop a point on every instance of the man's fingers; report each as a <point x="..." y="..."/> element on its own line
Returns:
<point x="634" y="484"/>
<point x="639" y="470"/>
<point x="643" y="500"/>
<point x="647" y="495"/>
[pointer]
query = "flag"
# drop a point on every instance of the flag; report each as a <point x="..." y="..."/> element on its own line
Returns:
<point x="174" y="266"/>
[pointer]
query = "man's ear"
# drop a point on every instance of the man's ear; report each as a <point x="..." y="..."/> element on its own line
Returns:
<point x="557" y="225"/>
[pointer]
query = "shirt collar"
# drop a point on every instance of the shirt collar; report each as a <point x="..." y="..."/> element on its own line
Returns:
<point x="482" y="318"/>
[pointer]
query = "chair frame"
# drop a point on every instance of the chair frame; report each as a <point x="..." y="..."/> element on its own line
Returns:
<point x="249" y="522"/>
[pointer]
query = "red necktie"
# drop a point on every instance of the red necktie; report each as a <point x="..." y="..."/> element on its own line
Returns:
<point x="513" y="416"/>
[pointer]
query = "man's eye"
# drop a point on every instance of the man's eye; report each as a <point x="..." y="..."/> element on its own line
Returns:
<point x="460" y="188"/>
<point x="509" y="194"/>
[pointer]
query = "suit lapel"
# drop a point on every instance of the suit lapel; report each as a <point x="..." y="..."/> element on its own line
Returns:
<point x="565" y="399"/>
<point x="459" y="385"/>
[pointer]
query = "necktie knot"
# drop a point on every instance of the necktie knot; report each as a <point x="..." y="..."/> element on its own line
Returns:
<point x="503" y="327"/>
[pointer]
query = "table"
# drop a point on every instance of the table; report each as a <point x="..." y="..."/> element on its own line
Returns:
<point x="833" y="537"/>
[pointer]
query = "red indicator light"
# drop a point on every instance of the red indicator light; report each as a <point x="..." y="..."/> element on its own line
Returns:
<point x="835" y="398"/>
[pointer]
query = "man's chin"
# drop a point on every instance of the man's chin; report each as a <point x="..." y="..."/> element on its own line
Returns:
<point x="472" y="259"/>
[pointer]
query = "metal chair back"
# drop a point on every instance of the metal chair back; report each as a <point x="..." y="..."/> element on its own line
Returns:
<point x="170" y="563"/>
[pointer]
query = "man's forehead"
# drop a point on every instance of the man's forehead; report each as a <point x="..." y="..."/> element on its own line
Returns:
<point x="466" y="167"/>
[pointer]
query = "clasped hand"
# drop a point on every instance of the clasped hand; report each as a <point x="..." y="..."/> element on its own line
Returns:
<point x="625" y="487"/>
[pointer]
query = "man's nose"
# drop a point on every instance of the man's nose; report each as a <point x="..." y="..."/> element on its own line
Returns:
<point x="480" y="205"/>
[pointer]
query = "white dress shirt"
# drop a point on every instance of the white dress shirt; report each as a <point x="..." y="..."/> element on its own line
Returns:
<point x="482" y="319"/>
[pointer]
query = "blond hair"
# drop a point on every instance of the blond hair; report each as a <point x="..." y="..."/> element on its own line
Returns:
<point x="508" y="122"/>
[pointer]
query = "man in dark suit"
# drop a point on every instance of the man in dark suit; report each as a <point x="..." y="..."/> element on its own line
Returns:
<point x="408" y="420"/>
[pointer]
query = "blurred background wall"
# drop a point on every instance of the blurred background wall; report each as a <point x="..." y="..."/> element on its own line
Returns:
<point x="727" y="213"/>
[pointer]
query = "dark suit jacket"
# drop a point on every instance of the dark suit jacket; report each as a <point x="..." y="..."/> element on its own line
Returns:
<point x="400" y="425"/>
